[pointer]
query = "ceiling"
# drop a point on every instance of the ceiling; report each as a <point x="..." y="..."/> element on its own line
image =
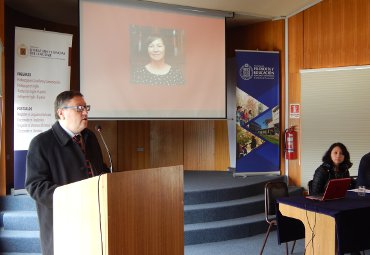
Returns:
<point x="248" y="11"/>
<point x="245" y="11"/>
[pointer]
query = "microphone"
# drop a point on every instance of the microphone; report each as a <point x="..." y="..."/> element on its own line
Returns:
<point x="98" y="128"/>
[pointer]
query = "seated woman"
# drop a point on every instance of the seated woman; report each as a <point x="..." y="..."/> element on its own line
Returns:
<point x="336" y="162"/>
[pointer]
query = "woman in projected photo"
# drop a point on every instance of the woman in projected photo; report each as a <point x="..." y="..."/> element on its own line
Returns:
<point x="157" y="71"/>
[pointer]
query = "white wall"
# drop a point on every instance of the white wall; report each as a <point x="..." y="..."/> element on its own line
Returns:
<point x="335" y="108"/>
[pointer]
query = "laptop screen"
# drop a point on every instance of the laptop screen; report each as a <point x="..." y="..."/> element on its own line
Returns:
<point x="336" y="188"/>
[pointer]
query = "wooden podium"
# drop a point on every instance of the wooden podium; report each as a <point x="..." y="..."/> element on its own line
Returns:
<point x="133" y="212"/>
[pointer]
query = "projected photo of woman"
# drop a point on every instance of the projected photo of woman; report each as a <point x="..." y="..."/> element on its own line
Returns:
<point x="156" y="70"/>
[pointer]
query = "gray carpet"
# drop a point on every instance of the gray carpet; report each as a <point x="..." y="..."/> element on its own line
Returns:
<point x="245" y="246"/>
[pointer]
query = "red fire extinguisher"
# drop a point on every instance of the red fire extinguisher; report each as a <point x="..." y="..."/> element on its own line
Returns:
<point x="291" y="151"/>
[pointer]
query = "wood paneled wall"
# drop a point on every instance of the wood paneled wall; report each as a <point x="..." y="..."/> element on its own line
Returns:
<point x="267" y="36"/>
<point x="295" y="57"/>
<point x="199" y="151"/>
<point x="337" y="33"/>
<point x="196" y="144"/>
<point x="332" y="33"/>
<point x="166" y="143"/>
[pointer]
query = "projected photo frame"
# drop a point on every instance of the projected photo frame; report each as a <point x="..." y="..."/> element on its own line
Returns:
<point x="191" y="84"/>
<point x="156" y="55"/>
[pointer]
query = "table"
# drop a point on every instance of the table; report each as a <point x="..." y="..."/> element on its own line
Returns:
<point x="331" y="227"/>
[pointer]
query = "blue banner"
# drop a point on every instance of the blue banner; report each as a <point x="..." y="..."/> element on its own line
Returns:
<point x="257" y="113"/>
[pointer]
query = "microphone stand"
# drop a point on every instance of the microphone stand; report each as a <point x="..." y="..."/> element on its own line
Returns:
<point x="98" y="128"/>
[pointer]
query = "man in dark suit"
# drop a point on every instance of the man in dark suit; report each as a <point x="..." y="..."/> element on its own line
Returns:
<point x="363" y="176"/>
<point x="56" y="157"/>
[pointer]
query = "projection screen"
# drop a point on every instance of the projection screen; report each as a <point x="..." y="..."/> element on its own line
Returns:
<point x="120" y="77"/>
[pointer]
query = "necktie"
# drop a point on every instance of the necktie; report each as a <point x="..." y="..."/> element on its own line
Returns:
<point x="77" y="139"/>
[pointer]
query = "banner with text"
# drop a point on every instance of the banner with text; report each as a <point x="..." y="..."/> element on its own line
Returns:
<point x="257" y="113"/>
<point x="41" y="72"/>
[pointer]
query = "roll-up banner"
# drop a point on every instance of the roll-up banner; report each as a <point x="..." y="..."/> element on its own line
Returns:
<point x="41" y="72"/>
<point x="257" y="113"/>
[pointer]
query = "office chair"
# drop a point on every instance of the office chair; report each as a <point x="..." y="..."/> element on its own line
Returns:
<point x="274" y="190"/>
<point x="355" y="181"/>
<point x="309" y="185"/>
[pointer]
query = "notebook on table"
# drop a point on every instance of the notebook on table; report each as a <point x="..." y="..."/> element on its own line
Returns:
<point x="335" y="189"/>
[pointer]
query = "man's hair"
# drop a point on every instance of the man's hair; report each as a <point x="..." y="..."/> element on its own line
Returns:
<point x="63" y="98"/>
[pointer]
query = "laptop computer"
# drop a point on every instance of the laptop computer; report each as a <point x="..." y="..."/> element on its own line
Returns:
<point x="335" y="189"/>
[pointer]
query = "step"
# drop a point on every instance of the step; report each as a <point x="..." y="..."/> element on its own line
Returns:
<point x="237" y="188"/>
<point x="224" y="210"/>
<point x="19" y="253"/>
<point x="20" y="241"/>
<point x="20" y="220"/>
<point x="225" y="230"/>
<point x="233" y="210"/>
<point x="17" y="203"/>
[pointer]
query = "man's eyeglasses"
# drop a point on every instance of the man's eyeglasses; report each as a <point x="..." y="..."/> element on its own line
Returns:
<point x="78" y="108"/>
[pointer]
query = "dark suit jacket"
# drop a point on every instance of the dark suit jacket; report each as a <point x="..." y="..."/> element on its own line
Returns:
<point x="324" y="173"/>
<point x="363" y="178"/>
<point x="53" y="160"/>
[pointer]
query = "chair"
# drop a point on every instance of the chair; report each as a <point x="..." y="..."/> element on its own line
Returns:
<point x="274" y="190"/>
<point x="355" y="181"/>
<point x="309" y="185"/>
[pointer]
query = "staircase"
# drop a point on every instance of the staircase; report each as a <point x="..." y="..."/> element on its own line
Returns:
<point x="234" y="211"/>
<point x="19" y="234"/>
<point x="218" y="207"/>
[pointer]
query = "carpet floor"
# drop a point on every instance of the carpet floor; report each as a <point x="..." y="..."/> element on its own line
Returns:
<point x="247" y="246"/>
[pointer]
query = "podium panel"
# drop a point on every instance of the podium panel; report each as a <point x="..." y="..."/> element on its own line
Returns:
<point x="133" y="213"/>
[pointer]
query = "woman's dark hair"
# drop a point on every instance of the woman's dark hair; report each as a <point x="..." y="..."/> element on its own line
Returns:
<point x="347" y="159"/>
<point x="64" y="97"/>
<point x="151" y="38"/>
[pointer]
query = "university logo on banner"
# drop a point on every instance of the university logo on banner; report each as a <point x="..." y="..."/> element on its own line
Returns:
<point x="257" y="112"/>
